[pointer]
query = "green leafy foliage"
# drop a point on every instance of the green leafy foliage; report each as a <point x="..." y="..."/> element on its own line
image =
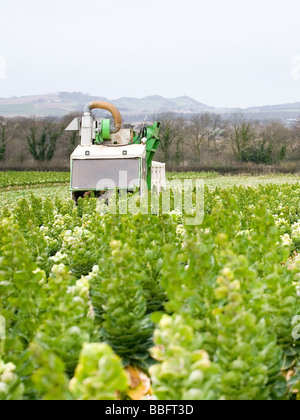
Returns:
<point x="49" y="379"/>
<point x="79" y="289"/>
<point x="11" y="387"/>
<point x="185" y="371"/>
<point x="69" y="326"/>
<point x="122" y="305"/>
<point x="20" y="289"/>
<point x="42" y="145"/>
<point x="99" y="374"/>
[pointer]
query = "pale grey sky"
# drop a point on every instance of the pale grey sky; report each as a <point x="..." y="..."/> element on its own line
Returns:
<point x="220" y="52"/>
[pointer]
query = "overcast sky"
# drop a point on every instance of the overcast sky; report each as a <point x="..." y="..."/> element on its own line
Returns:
<point x="220" y="52"/>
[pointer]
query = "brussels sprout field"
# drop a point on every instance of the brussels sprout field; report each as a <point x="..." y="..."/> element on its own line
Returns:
<point x="10" y="179"/>
<point x="99" y="306"/>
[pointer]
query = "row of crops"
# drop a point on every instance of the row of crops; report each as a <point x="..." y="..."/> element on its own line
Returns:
<point x="101" y="306"/>
<point x="13" y="179"/>
<point x="10" y="179"/>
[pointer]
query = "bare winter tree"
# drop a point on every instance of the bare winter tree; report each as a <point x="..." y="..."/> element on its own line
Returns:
<point x="196" y="139"/>
<point x="179" y="150"/>
<point x="2" y="139"/>
<point x="295" y="136"/>
<point x="204" y="129"/>
<point x="7" y="131"/>
<point x="211" y="125"/>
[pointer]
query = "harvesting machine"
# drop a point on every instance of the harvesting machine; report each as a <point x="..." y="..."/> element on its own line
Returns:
<point x="113" y="158"/>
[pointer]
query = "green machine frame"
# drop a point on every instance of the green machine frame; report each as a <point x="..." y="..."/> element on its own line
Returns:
<point x="151" y="134"/>
<point x="152" y="143"/>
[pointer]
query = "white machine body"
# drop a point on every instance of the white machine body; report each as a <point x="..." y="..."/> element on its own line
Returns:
<point x="115" y="164"/>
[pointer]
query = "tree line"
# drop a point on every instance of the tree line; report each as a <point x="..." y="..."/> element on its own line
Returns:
<point x="36" y="142"/>
<point x="210" y="140"/>
<point x="200" y="140"/>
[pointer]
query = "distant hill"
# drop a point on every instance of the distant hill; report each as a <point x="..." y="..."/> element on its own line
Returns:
<point x="65" y="102"/>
